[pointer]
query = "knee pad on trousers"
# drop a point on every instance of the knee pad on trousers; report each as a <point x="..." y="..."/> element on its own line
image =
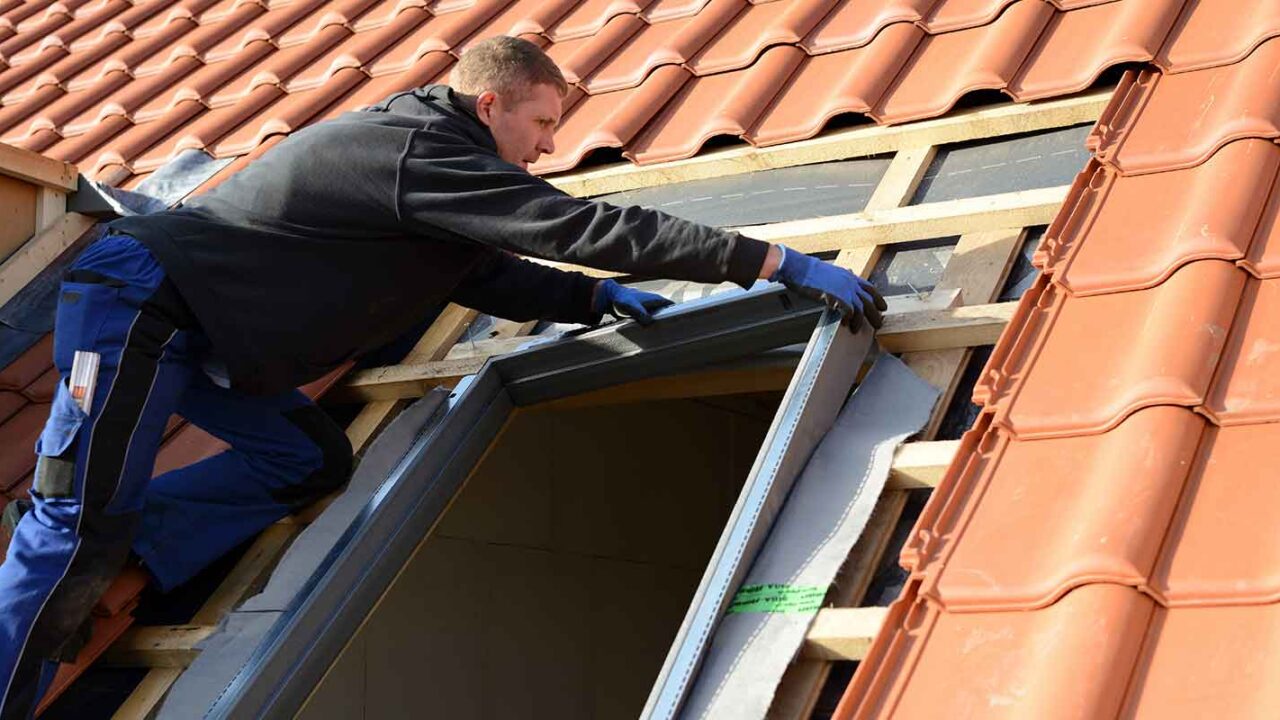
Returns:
<point x="335" y="454"/>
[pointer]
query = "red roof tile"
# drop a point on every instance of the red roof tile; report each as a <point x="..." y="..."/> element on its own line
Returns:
<point x="20" y="433"/>
<point x="1211" y="34"/>
<point x="1089" y="41"/>
<point x="1069" y="660"/>
<point x="1214" y="554"/>
<point x="1220" y="105"/>
<point x="1085" y="509"/>
<point x="1080" y="365"/>
<point x="756" y="28"/>
<point x="1098" y="245"/>
<point x="854" y="23"/>
<point x="1246" y="388"/>
<point x="947" y="66"/>
<point x="948" y="15"/>
<point x="1208" y="662"/>
<point x="669" y="43"/>
<point x="829" y="85"/>
<point x="1263" y="260"/>
<point x="157" y="80"/>
<point x="724" y="104"/>
<point x="1094" y="549"/>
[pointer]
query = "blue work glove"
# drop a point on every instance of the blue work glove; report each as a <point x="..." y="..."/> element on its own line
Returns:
<point x="622" y="301"/>
<point x="833" y="285"/>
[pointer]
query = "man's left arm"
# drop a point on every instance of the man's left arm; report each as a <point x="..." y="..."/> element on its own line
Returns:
<point x="506" y="286"/>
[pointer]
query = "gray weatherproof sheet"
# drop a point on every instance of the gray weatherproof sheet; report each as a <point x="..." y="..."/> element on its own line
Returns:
<point x="827" y="509"/>
<point x="817" y="391"/>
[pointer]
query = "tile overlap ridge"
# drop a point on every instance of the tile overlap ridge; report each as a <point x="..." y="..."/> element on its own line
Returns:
<point x="1103" y="523"/>
<point x="118" y="87"/>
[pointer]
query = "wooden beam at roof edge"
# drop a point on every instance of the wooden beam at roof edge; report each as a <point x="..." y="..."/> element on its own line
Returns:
<point x="975" y="124"/>
<point x="889" y="226"/>
<point x="965" y="326"/>
<point x="843" y="633"/>
<point x="37" y="169"/>
<point x="836" y="634"/>
<point x="33" y="256"/>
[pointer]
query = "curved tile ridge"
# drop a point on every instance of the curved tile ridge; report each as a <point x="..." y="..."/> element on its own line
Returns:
<point x="1078" y="46"/>
<point x="724" y="104"/>
<point x="855" y="23"/>
<point x="529" y="18"/>
<point x="1264" y="252"/>
<point x="1072" y="659"/>
<point x="86" y="51"/>
<point x="590" y="17"/>
<point x="673" y="42"/>
<point x="824" y="86"/>
<point x="612" y="120"/>
<point x="945" y="67"/>
<point x="1246" y="388"/>
<point x="1215" y="554"/>
<point x="950" y="15"/>
<point x="1080" y="365"/>
<point x="1088" y="509"/>
<point x="290" y="113"/>
<point x="759" y="27"/>
<point x="1215" y="106"/>
<point x="65" y="67"/>
<point x="1210" y="34"/>
<point x="1109" y="237"/>
<point x="1208" y="662"/>
<point x="578" y="58"/>
<point x="65" y="35"/>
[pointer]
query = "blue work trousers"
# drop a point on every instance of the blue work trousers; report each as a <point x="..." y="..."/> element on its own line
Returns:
<point x="94" y="496"/>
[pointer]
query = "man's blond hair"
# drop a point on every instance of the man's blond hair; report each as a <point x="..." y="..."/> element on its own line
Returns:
<point x="508" y="66"/>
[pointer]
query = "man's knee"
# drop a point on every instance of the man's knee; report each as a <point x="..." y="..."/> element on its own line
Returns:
<point x="335" y="457"/>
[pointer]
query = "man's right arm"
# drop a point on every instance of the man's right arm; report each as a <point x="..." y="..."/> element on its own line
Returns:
<point x="456" y="188"/>
<point x="448" y="186"/>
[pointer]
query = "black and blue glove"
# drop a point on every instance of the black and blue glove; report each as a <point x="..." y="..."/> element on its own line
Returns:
<point x="624" y="302"/>
<point x="832" y="285"/>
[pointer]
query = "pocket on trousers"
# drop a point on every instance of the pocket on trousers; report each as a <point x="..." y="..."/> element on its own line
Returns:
<point x="55" y="464"/>
<point x="83" y="308"/>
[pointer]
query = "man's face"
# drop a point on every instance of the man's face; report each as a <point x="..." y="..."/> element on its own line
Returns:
<point x="524" y="131"/>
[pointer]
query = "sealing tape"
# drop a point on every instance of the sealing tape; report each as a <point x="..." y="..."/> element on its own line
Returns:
<point x="778" y="599"/>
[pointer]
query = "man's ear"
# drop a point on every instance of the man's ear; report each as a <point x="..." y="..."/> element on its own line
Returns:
<point x="485" y="106"/>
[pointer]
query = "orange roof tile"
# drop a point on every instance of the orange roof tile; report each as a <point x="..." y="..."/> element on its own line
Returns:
<point x="1085" y="509"/>
<point x="1219" y="105"/>
<point x="161" y="76"/>
<point x="1072" y="659"/>
<point x="1098" y="245"/>
<point x="1211" y="34"/>
<point x="1208" y="662"/>
<point x="1214" y="554"/>
<point x="948" y="65"/>
<point x="1091" y="40"/>
<point x="1094" y="549"/>
<point x="1080" y="365"/>
<point x="1246" y="388"/>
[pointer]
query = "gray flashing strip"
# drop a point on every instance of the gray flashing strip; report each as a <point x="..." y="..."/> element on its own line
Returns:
<point x="328" y="609"/>
<point x="311" y="631"/>
<point x="686" y="337"/>
<point x="817" y="392"/>
<point x="825" y="514"/>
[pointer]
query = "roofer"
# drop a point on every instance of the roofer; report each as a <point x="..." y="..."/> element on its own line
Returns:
<point x="335" y="242"/>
